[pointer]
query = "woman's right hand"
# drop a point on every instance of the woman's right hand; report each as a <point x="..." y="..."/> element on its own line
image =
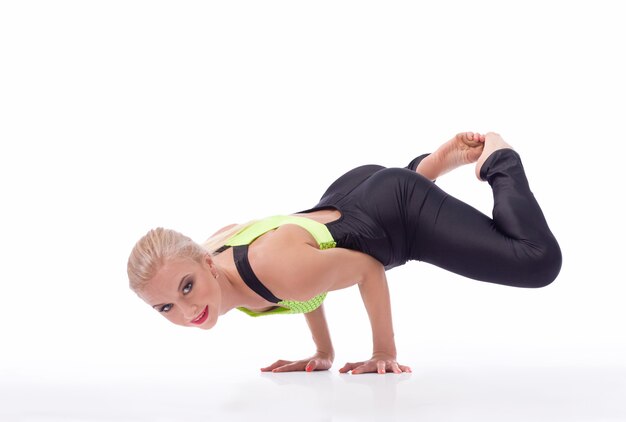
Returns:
<point x="318" y="362"/>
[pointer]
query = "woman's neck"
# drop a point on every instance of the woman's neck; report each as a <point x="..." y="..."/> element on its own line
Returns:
<point x="235" y="293"/>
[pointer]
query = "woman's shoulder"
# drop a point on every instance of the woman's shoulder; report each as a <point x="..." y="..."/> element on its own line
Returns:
<point x="271" y="257"/>
<point x="285" y="236"/>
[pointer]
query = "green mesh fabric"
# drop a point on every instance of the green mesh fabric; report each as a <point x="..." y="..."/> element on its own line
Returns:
<point x="290" y="307"/>
<point x="317" y="230"/>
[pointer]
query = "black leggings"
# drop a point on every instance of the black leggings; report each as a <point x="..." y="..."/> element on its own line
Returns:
<point x="397" y="215"/>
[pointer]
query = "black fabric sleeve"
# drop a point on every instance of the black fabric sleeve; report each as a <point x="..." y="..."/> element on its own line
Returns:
<point x="416" y="161"/>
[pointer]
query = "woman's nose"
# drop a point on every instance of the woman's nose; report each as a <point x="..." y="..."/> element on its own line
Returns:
<point x="190" y="312"/>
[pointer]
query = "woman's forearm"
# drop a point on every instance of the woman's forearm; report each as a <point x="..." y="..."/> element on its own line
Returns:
<point x="316" y="321"/>
<point x="375" y="295"/>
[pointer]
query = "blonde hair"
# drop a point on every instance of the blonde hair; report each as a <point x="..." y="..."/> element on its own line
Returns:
<point x="156" y="247"/>
<point x="159" y="245"/>
<point x="218" y="239"/>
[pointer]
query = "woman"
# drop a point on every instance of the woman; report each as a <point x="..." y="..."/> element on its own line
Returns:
<point x="369" y="220"/>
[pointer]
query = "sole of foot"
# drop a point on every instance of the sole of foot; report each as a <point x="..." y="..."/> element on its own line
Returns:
<point x="493" y="142"/>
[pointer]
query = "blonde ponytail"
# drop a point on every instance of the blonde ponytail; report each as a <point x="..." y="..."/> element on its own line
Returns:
<point x="218" y="240"/>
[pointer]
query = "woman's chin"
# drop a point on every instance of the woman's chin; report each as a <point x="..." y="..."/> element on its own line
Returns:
<point x="208" y="324"/>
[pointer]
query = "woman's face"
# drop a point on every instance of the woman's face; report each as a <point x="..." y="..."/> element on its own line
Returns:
<point x="185" y="292"/>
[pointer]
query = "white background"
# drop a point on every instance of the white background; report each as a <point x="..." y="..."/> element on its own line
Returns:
<point x="120" y="116"/>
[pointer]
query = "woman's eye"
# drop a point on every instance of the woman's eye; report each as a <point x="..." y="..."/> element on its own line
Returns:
<point x="187" y="287"/>
<point x="165" y="308"/>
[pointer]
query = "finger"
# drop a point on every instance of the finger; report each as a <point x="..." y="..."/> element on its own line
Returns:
<point x="349" y="366"/>
<point x="365" y="368"/>
<point x="395" y="368"/>
<point x="380" y="366"/>
<point x="357" y="370"/>
<point x="275" y="365"/>
<point x="311" y="366"/>
<point x="405" y="368"/>
<point x="295" y="366"/>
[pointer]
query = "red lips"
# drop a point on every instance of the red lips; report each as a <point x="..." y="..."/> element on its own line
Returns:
<point x="202" y="317"/>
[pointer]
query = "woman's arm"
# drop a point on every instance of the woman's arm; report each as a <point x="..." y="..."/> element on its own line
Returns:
<point x="375" y="294"/>
<point x="316" y="321"/>
<point x="305" y="271"/>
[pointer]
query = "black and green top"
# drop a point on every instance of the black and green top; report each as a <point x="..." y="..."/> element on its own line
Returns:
<point x="240" y="242"/>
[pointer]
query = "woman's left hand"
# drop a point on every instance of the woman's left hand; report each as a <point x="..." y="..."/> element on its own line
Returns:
<point x="318" y="362"/>
<point x="380" y="364"/>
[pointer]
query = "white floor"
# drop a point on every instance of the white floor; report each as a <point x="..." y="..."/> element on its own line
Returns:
<point x="122" y="116"/>
<point x="488" y="393"/>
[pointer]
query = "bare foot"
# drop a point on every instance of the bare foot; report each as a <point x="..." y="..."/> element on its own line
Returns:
<point x="464" y="148"/>
<point x="493" y="142"/>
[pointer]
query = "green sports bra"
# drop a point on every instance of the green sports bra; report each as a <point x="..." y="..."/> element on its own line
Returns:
<point x="246" y="236"/>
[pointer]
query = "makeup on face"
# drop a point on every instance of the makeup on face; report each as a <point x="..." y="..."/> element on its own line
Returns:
<point x="202" y="317"/>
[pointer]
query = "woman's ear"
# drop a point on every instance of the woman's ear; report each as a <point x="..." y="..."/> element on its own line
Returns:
<point x="208" y="260"/>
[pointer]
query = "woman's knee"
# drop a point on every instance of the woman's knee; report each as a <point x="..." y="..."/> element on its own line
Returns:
<point x="543" y="265"/>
